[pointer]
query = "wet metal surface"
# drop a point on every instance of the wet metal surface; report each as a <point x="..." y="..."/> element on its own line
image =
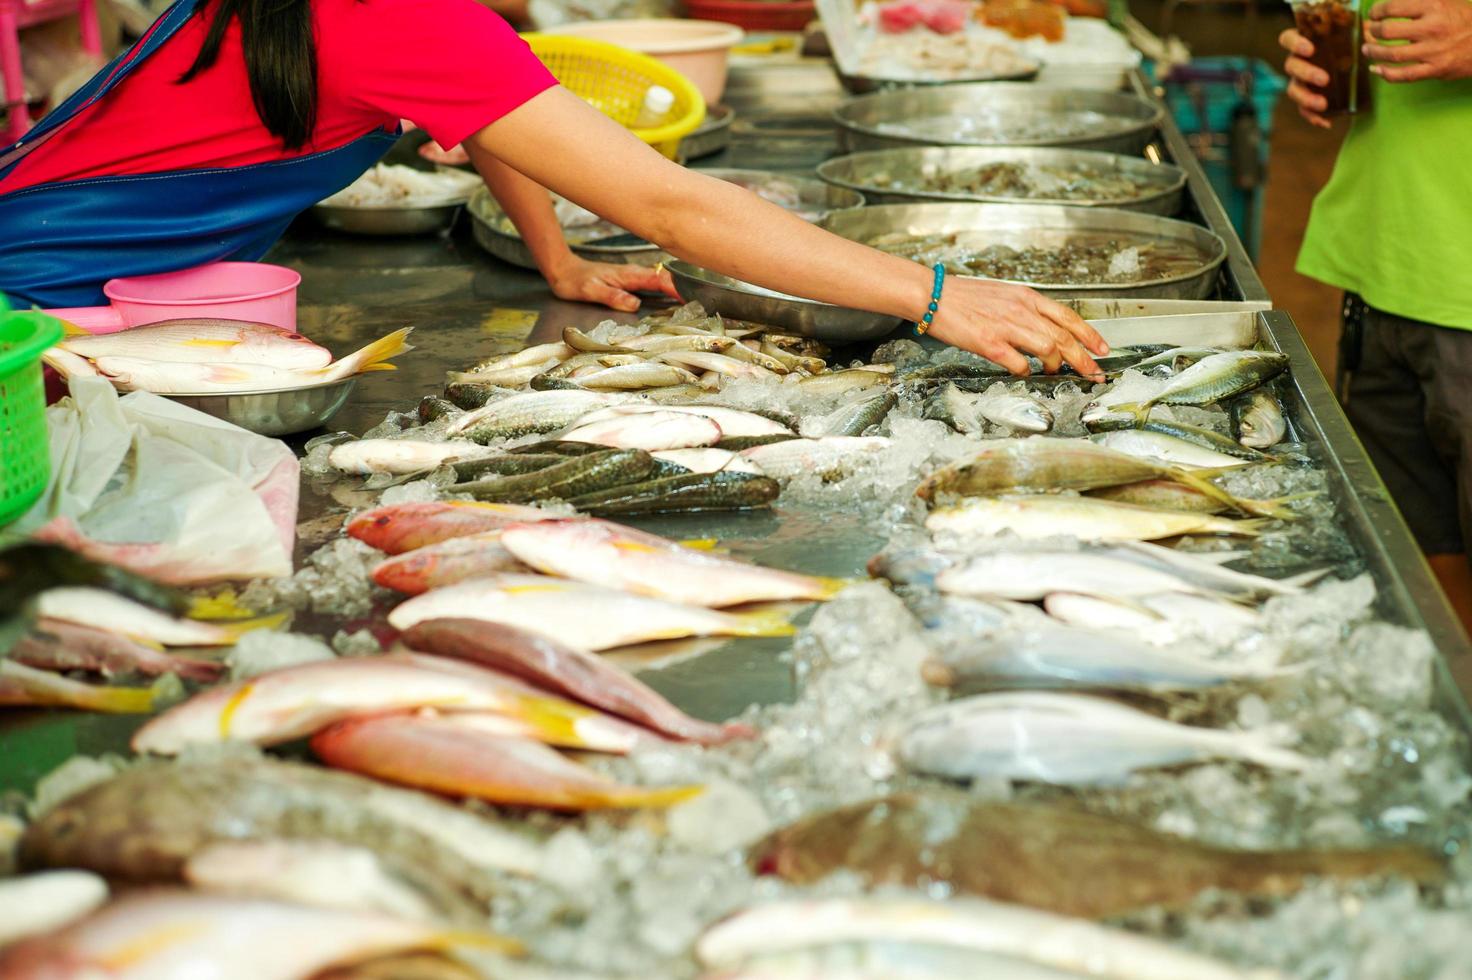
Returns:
<point x="466" y="305"/>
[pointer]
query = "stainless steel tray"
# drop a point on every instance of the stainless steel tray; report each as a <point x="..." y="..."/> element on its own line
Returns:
<point x="711" y="136"/>
<point x="387" y="221"/>
<point x="742" y="301"/>
<point x="486" y="216"/>
<point x="864" y="84"/>
<point x="281" y="412"/>
<point x="859" y="120"/>
<point x="813" y="195"/>
<point x="861" y="172"/>
<point x="1043" y="224"/>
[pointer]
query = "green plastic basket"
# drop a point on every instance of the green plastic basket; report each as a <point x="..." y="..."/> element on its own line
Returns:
<point x="25" y="452"/>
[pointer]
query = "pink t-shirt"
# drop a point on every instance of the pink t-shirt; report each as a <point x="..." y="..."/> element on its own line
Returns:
<point x="452" y="66"/>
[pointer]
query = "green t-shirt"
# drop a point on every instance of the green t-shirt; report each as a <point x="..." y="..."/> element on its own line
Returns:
<point x="1394" y="223"/>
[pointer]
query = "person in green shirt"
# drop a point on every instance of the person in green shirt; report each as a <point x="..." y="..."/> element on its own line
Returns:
<point x="1393" y="229"/>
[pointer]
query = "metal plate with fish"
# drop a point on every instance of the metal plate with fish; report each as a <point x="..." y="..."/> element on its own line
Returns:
<point x="863" y="84"/>
<point x="494" y="232"/>
<point x="997" y="114"/>
<point x="743" y="301"/>
<point x="281" y="412"/>
<point x="1074" y="252"/>
<point x="712" y="136"/>
<point x="1009" y="175"/>
<point x="387" y="221"/>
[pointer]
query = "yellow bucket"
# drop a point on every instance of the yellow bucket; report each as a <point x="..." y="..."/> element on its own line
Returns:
<point x="615" y="79"/>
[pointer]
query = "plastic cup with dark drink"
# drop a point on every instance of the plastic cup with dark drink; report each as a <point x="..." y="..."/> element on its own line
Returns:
<point x="1333" y="28"/>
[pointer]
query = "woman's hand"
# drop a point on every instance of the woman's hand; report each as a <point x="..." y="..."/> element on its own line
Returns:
<point x="1003" y="322"/>
<point x="1439" y="36"/>
<point x="578" y="280"/>
<point x="1305" y="77"/>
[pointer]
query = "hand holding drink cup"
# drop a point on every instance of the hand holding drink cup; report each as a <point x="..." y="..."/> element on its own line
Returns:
<point x="1323" y="59"/>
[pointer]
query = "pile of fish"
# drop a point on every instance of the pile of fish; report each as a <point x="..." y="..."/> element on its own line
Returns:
<point x="201" y="356"/>
<point x="1062" y="626"/>
<point x="1028" y="181"/>
<point x="389" y="185"/>
<point x="82" y="632"/>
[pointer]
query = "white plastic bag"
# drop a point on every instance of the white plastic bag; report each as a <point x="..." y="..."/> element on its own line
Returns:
<point x="164" y="490"/>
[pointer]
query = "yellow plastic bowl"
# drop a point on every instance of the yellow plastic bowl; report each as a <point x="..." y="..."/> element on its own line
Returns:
<point x="615" y="79"/>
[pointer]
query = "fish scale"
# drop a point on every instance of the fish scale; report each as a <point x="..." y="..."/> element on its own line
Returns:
<point x="577" y="475"/>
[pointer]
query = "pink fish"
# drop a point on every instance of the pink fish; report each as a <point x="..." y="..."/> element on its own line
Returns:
<point x="618" y="557"/>
<point x="294" y="702"/>
<point x="27" y="687"/>
<point x="446" y="563"/>
<point x="158" y="934"/>
<point x="458" y="755"/>
<point x="53" y="644"/>
<point x="567" y="670"/>
<point x="398" y="528"/>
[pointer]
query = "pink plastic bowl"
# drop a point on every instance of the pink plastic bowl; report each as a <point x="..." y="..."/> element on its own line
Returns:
<point x="697" y="49"/>
<point x="251" y="291"/>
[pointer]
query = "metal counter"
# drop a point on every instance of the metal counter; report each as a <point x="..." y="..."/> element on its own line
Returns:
<point x="466" y="305"/>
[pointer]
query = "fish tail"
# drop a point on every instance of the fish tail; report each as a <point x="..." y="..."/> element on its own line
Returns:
<point x="1200" y="481"/>
<point x="67" y="364"/>
<point x="1275" y="508"/>
<point x="632" y="797"/>
<point x="553" y="722"/>
<point x="449" y="940"/>
<point x="371" y="357"/>
<point x="118" y="700"/>
<point x="235" y="629"/>
<point x="827" y="587"/>
<point x="1263" y="748"/>
<point x="760" y="622"/>
<point x="1140" y="410"/>
<point x="1249" y="528"/>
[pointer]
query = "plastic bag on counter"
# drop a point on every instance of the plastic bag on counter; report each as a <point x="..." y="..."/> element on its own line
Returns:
<point x="164" y="490"/>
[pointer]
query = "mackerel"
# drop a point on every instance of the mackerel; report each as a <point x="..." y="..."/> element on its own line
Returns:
<point x="579" y="475"/>
<point x="691" y="493"/>
<point x="529" y="413"/>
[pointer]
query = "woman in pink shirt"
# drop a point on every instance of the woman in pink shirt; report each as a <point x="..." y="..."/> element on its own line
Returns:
<point x="230" y="117"/>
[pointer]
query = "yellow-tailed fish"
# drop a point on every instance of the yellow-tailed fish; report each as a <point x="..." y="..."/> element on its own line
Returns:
<point x="619" y="557"/>
<point x="589" y="617"/>
<point x="205" y="341"/>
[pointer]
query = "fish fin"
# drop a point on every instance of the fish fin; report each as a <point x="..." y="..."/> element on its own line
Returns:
<point x="554" y="722"/>
<point x="1140" y="410"/>
<point x="701" y="544"/>
<point x="638" y="547"/>
<point x="377" y="367"/>
<point x="209" y="342"/>
<point x="449" y="940"/>
<point x="235" y="629"/>
<point x="68" y="364"/>
<point x="364" y="358"/>
<point x="223" y="610"/>
<point x="70" y="329"/>
<point x="761" y="622"/>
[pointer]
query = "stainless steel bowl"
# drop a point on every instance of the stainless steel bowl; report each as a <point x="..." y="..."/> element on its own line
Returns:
<point x="862" y="172"/>
<point x="813" y="195"/>
<point x="864" y="84"/>
<point x="280" y="412"/>
<point x="859" y="120"/>
<point x="388" y="221"/>
<point x="742" y="301"/>
<point x="1045" y="225"/>
<point x="711" y="136"/>
<point x="486" y="218"/>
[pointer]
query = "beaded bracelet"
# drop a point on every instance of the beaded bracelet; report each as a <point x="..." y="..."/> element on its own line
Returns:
<point x="925" y="322"/>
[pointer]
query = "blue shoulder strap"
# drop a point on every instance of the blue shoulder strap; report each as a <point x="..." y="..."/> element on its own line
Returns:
<point x="100" y="84"/>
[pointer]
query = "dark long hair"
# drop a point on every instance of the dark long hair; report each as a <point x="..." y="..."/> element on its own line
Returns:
<point x="280" y="60"/>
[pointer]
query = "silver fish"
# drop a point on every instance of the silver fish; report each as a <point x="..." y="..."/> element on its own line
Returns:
<point x="401" y="456"/>
<point x="529" y="413"/>
<point x="1260" y="421"/>
<point x="1031" y="576"/>
<point x="961" y="924"/>
<point x="632" y="377"/>
<point x="1162" y="448"/>
<point x="1086" y="518"/>
<point x="1070" y="740"/>
<point x="831" y="457"/>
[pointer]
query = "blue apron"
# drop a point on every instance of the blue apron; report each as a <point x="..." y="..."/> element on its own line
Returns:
<point x="60" y="242"/>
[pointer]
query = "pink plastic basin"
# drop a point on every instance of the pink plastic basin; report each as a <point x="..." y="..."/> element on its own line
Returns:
<point x="697" y="49"/>
<point x="251" y="291"/>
